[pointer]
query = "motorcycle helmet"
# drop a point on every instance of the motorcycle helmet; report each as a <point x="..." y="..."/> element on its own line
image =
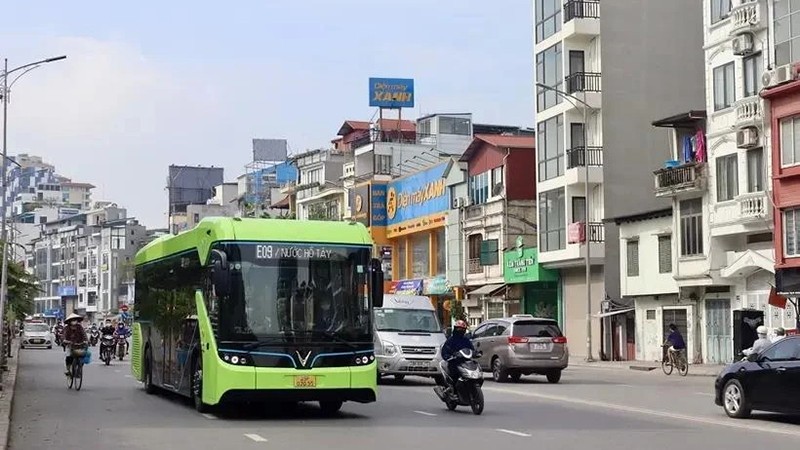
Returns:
<point x="459" y="328"/>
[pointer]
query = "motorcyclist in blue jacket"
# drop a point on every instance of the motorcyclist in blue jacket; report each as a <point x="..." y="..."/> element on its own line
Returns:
<point x="455" y="343"/>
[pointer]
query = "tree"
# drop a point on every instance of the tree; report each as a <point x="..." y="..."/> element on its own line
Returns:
<point x="22" y="288"/>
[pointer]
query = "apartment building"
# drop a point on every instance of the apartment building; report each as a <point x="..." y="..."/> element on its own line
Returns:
<point x="319" y="191"/>
<point x="84" y="263"/>
<point x="222" y="204"/>
<point x="595" y="146"/>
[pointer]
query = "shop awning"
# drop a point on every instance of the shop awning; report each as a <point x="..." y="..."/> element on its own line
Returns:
<point x="613" y="313"/>
<point x="488" y="290"/>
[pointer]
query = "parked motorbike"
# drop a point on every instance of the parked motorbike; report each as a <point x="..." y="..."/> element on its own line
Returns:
<point x="466" y="390"/>
<point x="107" y="346"/>
<point x="94" y="337"/>
<point x="122" y="347"/>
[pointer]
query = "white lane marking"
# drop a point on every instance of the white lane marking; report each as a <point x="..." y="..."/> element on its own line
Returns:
<point x="255" y="437"/>
<point x="625" y="385"/>
<point x="515" y="433"/>
<point x="704" y="394"/>
<point x="635" y="410"/>
<point x="210" y="416"/>
<point x="425" y="413"/>
<point x="128" y="376"/>
<point x="117" y="370"/>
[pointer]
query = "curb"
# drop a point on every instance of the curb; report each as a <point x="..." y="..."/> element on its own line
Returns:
<point x="7" y="395"/>
<point x="640" y="368"/>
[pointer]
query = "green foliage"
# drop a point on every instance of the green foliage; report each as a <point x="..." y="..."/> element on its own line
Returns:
<point x="22" y="288"/>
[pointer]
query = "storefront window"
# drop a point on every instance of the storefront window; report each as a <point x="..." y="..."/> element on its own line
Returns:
<point x="441" y="252"/>
<point x="421" y="255"/>
<point x="401" y="259"/>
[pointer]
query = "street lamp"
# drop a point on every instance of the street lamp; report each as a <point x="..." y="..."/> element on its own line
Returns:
<point x="585" y="107"/>
<point x="25" y="68"/>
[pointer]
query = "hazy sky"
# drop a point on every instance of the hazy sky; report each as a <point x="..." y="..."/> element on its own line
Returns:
<point x="148" y="84"/>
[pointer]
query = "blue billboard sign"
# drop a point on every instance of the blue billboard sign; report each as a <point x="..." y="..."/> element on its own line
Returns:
<point x="67" y="291"/>
<point x="420" y="196"/>
<point x="53" y="312"/>
<point x="406" y="287"/>
<point x="391" y="92"/>
<point x="378" y="206"/>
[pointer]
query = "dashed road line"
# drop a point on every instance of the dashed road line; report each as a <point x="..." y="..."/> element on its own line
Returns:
<point x="425" y="413"/>
<point x="128" y="376"/>
<point x="515" y="433"/>
<point x="650" y="412"/>
<point x="706" y="394"/>
<point x="209" y="416"/>
<point x="255" y="437"/>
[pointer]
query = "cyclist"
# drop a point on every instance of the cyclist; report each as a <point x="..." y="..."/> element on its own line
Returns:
<point x="74" y="337"/>
<point x="675" y="342"/>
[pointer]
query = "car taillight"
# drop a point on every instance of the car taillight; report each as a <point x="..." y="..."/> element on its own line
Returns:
<point x="517" y="340"/>
<point x="559" y="340"/>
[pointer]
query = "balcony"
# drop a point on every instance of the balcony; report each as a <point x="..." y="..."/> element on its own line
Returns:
<point x="577" y="232"/>
<point x="746" y="213"/>
<point x="749" y="112"/>
<point x="392" y="136"/>
<point x="581" y="156"/>
<point x="583" y="82"/>
<point x="581" y="9"/>
<point x="685" y="179"/>
<point x="747" y="16"/>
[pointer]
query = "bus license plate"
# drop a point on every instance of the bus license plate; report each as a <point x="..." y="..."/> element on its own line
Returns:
<point x="305" y="381"/>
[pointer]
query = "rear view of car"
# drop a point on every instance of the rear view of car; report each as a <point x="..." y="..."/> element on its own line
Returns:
<point x="36" y="335"/>
<point x="527" y="345"/>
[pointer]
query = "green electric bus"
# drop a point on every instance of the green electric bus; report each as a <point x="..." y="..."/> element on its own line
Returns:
<point x="258" y="310"/>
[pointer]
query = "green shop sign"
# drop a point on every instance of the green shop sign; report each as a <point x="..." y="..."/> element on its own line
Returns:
<point x="521" y="265"/>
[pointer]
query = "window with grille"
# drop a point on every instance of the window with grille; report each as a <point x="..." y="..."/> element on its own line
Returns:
<point x="633" y="258"/>
<point x="665" y="254"/>
<point x="691" y="223"/>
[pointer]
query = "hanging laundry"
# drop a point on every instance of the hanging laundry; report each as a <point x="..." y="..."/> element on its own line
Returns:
<point x="700" y="151"/>
<point x="688" y="154"/>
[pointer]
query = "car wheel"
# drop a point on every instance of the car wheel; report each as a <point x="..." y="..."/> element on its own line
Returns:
<point x="149" y="387"/>
<point x="516" y="376"/>
<point x="554" y="376"/>
<point x="734" y="400"/>
<point x="499" y="373"/>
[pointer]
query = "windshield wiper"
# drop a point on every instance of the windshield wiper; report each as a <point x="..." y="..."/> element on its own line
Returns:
<point x="419" y="330"/>
<point x="263" y="342"/>
<point x="336" y="338"/>
<point x="390" y="329"/>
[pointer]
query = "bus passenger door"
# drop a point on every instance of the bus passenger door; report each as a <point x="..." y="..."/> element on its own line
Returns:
<point x="187" y="339"/>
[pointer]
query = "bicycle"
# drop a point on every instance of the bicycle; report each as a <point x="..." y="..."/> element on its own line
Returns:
<point x="668" y="362"/>
<point x="75" y="377"/>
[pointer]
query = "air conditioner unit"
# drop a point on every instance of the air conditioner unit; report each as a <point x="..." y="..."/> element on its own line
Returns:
<point x="779" y="75"/>
<point x="747" y="137"/>
<point x="743" y="44"/>
<point x="458" y="202"/>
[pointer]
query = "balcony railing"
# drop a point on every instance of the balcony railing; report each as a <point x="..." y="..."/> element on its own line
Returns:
<point x="749" y="112"/>
<point x="746" y="16"/>
<point x="581" y="156"/>
<point x="474" y="266"/>
<point x="392" y="136"/>
<point x="577" y="232"/>
<point x="671" y="180"/>
<point x="753" y="205"/>
<point x="581" y="9"/>
<point x="583" y="82"/>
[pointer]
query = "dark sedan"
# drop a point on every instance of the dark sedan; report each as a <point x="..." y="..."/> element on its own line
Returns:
<point x="769" y="381"/>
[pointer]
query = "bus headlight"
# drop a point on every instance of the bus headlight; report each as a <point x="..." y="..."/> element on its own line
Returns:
<point x="236" y="359"/>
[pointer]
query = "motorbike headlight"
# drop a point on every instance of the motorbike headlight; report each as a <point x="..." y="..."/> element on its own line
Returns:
<point x="389" y="349"/>
<point x="471" y="374"/>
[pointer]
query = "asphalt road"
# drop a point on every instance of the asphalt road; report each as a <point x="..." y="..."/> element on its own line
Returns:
<point x="592" y="408"/>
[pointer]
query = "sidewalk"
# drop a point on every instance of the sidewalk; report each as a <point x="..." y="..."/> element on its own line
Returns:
<point x="7" y="394"/>
<point x="697" y="370"/>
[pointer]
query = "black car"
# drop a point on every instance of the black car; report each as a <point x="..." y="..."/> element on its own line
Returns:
<point x="769" y="381"/>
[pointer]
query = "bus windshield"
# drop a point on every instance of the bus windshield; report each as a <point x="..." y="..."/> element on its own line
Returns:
<point x="296" y="291"/>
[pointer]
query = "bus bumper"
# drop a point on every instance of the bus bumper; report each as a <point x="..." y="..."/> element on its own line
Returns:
<point x="247" y="384"/>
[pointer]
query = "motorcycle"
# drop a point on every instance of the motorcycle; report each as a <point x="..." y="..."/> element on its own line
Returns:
<point x="59" y="336"/>
<point x="94" y="337"/>
<point x="466" y="390"/>
<point x="107" y="345"/>
<point x="122" y="347"/>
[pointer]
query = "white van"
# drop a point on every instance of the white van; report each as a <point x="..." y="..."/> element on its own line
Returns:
<point x="408" y="336"/>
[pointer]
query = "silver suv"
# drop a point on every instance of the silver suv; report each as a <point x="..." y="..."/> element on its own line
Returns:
<point x="521" y="345"/>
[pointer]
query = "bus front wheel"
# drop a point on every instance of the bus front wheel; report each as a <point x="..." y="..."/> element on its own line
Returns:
<point x="197" y="386"/>
<point x="330" y="407"/>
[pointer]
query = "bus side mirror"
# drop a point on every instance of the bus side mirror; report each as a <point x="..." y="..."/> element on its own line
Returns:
<point x="220" y="273"/>
<point x="376" y="283"/>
